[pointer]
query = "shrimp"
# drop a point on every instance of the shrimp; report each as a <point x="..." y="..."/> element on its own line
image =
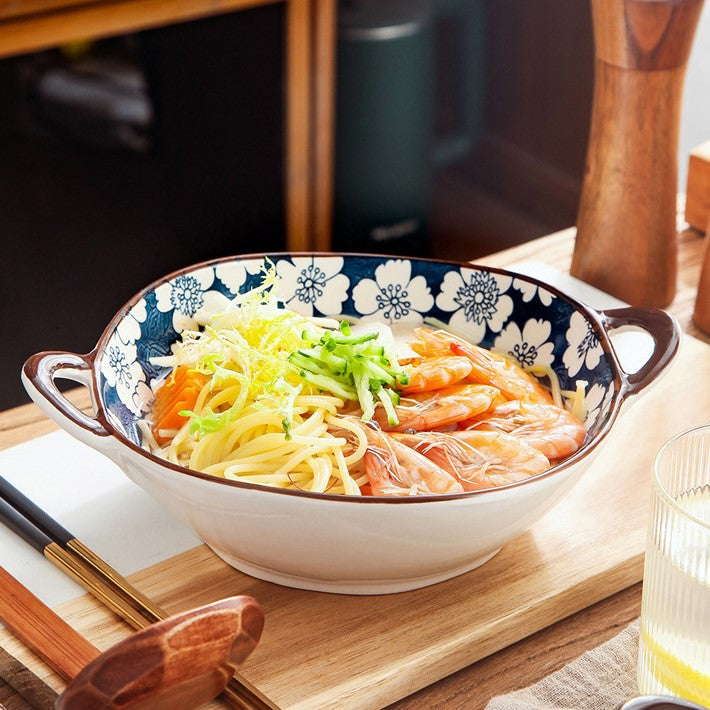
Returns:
<point x="487" y="367"/>
<point x="479" y="459"/>
<point x="433" y="373"/>
<point x="394" y="469"/>
<point x="440" y="408"/>
<point x="555" y="432"/>
<point x="430" y="343"/>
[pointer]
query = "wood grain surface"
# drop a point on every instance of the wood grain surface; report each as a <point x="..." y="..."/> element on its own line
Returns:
<point x="701" y="312"/>
<point x="325" y="39"/>
<point x="321" y="650"/>
<point x="28" y="26"/>
<point x="697" y="198"/>
<point x="19" y="681"/>
<point x="45" y="632"/>
<point x="299" y="91"/>
<point x="637" y="34"/>
<point x="626" y="223"/>
<point x="33" y="25"/>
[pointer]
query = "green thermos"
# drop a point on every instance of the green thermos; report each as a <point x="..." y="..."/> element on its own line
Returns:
<point x="385" y="148"/>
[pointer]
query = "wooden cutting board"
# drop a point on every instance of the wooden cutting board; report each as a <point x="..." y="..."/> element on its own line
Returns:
<point x="333" y="651"/>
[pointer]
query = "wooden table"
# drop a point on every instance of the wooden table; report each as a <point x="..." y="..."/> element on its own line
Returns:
<point x="546" y="650"/>
<point x="31" y="25"/>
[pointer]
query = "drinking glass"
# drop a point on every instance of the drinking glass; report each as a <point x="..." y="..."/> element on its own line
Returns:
<point x="674" y="645"/>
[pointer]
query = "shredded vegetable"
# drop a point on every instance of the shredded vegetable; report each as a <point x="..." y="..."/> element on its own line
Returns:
<point x="272" y="355"/>
<point x="355" y="367"/>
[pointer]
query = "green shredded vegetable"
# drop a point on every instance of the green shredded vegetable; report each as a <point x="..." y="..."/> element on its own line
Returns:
<point x="207" y="422"/>
<point x="271" y="354"/>
<point x="355" y="367"/>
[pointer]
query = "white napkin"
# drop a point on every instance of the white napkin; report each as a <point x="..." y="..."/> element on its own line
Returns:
<point x="600" y="679"/>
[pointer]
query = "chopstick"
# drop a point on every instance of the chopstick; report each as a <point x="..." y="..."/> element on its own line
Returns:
<point x="74" y="558"/>
<point x="18" y="513"/>
<point x="60" y="537"/>
<point x="42" y="630"/>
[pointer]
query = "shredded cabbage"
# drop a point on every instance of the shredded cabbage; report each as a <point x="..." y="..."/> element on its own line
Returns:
<point x="273" y="354"/>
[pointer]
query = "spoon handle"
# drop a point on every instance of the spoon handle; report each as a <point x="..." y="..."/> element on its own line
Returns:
<point x="180" y="662"/>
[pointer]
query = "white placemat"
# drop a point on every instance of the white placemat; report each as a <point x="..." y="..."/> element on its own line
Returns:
<point x="91" y="497"/>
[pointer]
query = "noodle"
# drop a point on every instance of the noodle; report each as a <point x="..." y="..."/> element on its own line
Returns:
<point x="265" y="396"/>
<point x="547" y="371"/>
<point x="575" y="399"/>
<point x="255" y="448"/>
<point x="578" y="405"/>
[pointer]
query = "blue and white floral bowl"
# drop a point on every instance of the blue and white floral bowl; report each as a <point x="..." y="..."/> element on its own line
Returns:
<point x="335" y="543"/>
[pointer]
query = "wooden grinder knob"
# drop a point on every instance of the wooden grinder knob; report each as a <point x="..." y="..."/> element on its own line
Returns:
<point x="178" y="663"/>
<point x="626" y="224"/>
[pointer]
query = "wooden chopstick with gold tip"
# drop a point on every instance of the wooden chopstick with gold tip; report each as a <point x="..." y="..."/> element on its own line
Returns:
<point x="63" y="549"/>
<point x="65" y="559"/>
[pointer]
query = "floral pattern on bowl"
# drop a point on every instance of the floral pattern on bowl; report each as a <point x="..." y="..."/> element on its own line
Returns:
<point x="356" y="544"/>
<point x="509" y="314"/>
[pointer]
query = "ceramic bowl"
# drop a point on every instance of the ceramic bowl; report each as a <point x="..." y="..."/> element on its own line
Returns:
<point x="358" y="545"/>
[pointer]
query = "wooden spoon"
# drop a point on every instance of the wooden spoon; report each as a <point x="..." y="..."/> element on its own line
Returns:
<point x="181" y="662"/>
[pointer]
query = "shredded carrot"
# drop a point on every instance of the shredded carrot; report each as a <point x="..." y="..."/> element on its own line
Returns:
<point x="178" y="392"/>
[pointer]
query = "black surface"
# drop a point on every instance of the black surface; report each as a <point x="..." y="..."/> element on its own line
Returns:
<point x="36" y="517"/>
<point x="16" y="522"/>
<point x="83" y="229"/>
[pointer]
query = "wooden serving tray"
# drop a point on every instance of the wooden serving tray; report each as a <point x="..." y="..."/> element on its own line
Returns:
<point x="334" y="651"/>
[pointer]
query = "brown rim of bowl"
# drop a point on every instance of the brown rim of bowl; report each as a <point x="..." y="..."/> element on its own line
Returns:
<point x="591" y="315"/>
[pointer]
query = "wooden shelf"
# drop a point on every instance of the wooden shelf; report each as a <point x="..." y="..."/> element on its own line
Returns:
<point x="32" y="25"/>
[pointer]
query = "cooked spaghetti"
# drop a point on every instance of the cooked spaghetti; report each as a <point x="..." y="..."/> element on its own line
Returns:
<point x="263" y="395"/>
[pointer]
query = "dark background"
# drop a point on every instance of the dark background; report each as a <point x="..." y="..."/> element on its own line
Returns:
<point x="84" y="226"/>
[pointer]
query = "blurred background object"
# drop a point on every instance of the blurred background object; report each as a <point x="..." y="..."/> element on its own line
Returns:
<point x="96" y="96"/>
<point x="697" y="215"/>
<point x="196" y="166"/>
<point x="697" y="194"/>
<point x="701" y="311"/>
<point x="175" y="158"/>
<point x="384" y="109"/>
<point x="626" y="242"/>
<point x="398" y="118"/>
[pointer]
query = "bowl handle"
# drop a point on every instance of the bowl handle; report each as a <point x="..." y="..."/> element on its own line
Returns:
<point x="666" y="334"/>
<point x="38" y="375"/>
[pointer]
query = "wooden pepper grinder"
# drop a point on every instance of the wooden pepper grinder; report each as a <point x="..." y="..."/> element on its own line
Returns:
<point x="626" y="224"/>
<point x="701" y="312"/>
